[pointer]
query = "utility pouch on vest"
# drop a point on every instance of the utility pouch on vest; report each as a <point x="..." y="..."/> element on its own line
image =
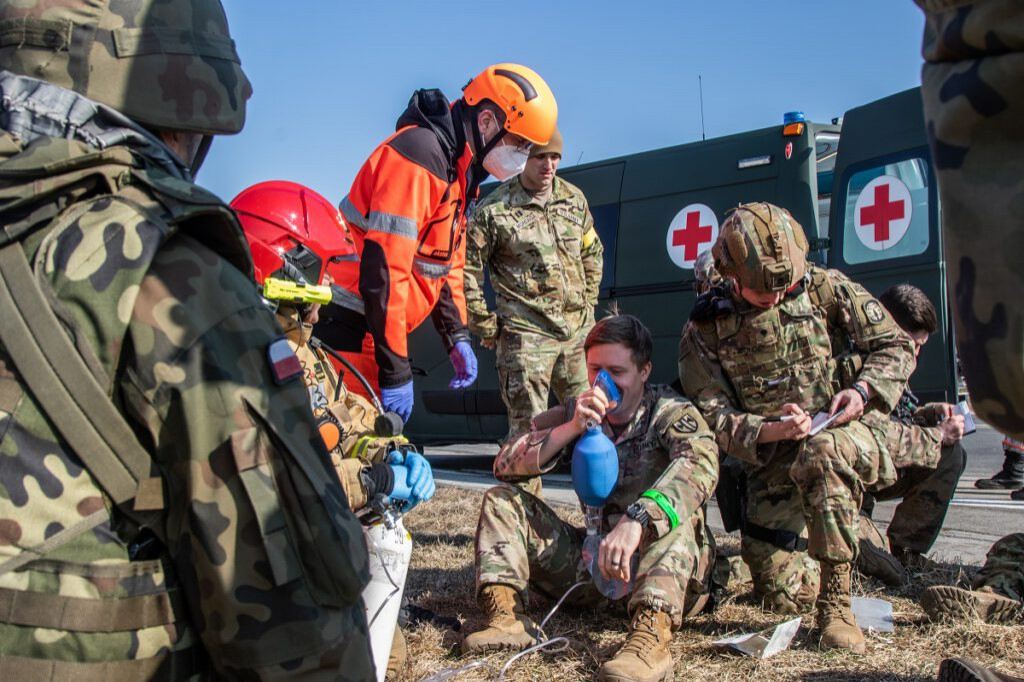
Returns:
<point x="731" y="494"/>
<point x="848" y="367"/>
<point x="297" y="503"/>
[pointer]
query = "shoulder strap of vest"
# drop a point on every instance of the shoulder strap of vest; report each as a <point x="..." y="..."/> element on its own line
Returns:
<point x="62" y="383"/>
<point x="821" y="291"/>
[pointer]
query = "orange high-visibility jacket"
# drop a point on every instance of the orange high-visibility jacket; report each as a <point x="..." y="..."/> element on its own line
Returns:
<point x="407" y="210"/>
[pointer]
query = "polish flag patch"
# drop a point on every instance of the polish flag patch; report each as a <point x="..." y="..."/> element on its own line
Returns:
<point x="284" y="364"/>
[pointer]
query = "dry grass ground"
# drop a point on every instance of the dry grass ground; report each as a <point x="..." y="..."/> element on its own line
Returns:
<point x="441" y="580"/>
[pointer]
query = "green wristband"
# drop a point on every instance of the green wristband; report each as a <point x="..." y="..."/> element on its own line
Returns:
<point x="666" y="506"/>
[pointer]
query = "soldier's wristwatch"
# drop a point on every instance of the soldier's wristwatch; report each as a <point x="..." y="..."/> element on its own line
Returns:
<point x="863" y="394"/>
<point x="638" y="512"/>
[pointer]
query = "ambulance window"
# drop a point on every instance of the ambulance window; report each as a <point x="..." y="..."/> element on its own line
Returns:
<point x="826" y="144"/>
<point x="886" y="212"/>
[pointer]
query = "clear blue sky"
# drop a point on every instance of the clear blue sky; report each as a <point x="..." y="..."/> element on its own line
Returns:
<point x="332" y="76"/>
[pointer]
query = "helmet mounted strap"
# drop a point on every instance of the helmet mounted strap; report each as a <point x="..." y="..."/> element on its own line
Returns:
<point x="478" y="142"/>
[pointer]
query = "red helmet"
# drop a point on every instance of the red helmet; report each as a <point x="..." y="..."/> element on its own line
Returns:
<point x="292" y="231"/>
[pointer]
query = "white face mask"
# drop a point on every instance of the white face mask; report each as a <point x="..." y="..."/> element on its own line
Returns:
<point x="504" y="161"/>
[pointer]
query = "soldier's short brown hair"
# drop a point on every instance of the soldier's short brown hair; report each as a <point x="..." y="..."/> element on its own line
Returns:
<point x="911" y="309"/>
<point x="625" y="329"/>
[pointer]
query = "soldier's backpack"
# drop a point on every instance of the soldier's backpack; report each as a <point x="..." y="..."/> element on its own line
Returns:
<point x="42" y="193"/>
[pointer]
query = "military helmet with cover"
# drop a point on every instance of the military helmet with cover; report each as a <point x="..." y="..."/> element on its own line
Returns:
<point x="167" y="64"/>
<point x="704" y="272"/>
<point x="762" y="246"/>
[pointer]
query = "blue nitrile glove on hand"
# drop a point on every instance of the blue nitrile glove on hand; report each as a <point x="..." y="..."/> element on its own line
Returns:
<point x="398" y="399"/>
<point x="419" y="481"/>
<point x="464" y="362"/>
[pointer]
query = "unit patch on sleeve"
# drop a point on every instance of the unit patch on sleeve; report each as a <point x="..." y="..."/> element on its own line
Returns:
<point x="873" y="311"/>
<point x="284" y="364"/>
<point x="687" y="424"/>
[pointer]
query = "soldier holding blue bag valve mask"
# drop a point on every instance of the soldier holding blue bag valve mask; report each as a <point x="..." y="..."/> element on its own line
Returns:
<point x="667" y="468"/>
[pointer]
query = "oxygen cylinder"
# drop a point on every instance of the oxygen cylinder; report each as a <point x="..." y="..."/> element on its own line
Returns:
<point x="390" y="550"/>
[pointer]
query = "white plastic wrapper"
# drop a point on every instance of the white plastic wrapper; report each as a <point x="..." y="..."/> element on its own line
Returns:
<point x="758" y="646"/>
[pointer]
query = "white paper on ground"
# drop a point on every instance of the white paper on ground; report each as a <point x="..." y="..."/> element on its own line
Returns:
<point x="759" y="646"/>
<point x="873" y="613"/>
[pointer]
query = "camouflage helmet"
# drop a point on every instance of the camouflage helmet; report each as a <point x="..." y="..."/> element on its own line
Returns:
<point x="704" y="271"/>
<point x="167" y="64"/>
<point x="762" y="246"/>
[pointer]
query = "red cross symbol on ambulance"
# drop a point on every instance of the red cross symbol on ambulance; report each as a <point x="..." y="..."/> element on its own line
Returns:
<point x="882" y="213"/>
<point x="691" y="232"/>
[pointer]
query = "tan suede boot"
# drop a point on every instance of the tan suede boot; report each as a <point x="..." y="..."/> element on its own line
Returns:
<point x="508" y="626"/>
<point x="836" y="623"/>
<point x="645" y="656"/>
<point x="396" y="659"/>
<point x="944" y="602"/>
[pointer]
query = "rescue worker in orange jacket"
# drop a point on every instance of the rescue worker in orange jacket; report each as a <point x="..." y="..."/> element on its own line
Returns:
<point x="407" y="212"/>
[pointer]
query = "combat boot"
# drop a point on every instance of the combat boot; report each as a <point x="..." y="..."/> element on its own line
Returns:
<point x="912" y="560"/>
<point x="645" y="656"/>
<point x="398" y="655"/>
<point x="508" y="627"/>
<point x="874" y="558"/>
<point x="1010" y="476"/>
<point x="945" y="602"/>
<point x="836" y="624"/>
<point x="962" y="670"/>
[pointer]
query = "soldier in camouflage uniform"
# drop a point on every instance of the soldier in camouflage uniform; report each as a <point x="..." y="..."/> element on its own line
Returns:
<point x="535" y="235"/>
<point x="972" y="86"/>
<point x="927" y="434"/>
<point x="164" y="496"/>
<point x="757" y="357"/>
<point x="998" y="589"/>
<point x="668" y="466"/>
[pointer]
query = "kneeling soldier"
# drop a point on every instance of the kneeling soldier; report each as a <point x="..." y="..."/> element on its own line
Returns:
<point x="668" y="467"/>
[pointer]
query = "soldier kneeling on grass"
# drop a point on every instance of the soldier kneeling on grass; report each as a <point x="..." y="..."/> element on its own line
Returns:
<point x="668" y="464"/>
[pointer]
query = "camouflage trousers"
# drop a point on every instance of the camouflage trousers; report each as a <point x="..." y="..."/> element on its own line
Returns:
<point x="522" y="543"/>
<point x="926" y="492"/>
<point x="812" y="492"/>
<point x="530" y="366"/>
<point x="972" y="86"/>
<point x="1003" y="571"/>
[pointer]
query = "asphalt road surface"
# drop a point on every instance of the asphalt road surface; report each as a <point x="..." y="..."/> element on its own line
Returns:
<point x="976" y="518"/>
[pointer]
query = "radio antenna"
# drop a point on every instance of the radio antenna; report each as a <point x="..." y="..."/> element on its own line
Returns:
<point x="578" y="158"/>
<point x="700" y="88"/>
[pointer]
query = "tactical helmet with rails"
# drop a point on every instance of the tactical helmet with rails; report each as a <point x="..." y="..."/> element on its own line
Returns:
<point x="526" y="100"/>
<point x="762" y="246"/>
<point x="167" y="64"/>
<point x="704" y="272"/>
<point x="293" y="233"/>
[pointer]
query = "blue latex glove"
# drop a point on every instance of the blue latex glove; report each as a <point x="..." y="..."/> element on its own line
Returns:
<point x="400" y="490"/>
<point x="420" y="479"/>
<point x="464" y="362"/>
<point x="398" y="399"/>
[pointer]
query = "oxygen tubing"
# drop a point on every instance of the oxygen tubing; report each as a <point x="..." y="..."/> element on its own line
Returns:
<point x="449" y="673"/>
<point x="317" y="343"/>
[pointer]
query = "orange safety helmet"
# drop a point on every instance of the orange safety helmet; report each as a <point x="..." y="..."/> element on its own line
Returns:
<point x="293" y="232"/>
<point x="529" y="105"/>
